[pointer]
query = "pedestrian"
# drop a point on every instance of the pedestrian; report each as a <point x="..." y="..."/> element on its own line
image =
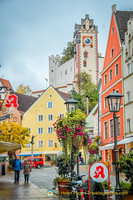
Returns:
<point x="17" y="166"/>
<point x="26" y="170"/>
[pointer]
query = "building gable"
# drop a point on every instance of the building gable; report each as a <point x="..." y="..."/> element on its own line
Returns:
<point x="113" y="44"/>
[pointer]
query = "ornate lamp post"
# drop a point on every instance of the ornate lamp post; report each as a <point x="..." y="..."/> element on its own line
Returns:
<point x="71" y="105"/>
<point x="114" y="100"/>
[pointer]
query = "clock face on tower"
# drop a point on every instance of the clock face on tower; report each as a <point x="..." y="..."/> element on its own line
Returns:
<point x="87" y="40"/>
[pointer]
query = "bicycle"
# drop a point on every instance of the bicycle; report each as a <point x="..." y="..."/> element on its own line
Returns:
<point x="77" y="192"/>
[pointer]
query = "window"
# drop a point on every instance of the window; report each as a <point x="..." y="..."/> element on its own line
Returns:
<point x="40" y="118"/>
<point x="50" y="129"/>
<point x="85" y="54"/>
<point x="112" y="53"/>
<point x="118" y="126"/>
<point x="128" y="69"/>
<point x="61" y="115"/>
<point x="83" y="25"/>
<point x="84" y="63"/>
<point x="105" y="79"/>
<point x="50" y="117"/>
<point x="110" y="75"/>
<point x="116" y="69"/>
<point x="112" y="30"/>
<point x="128" y="96"/>
<point x="105" y="103"/>
<point x="40" y="143"/>
<point x="50" y="104"/>
<point x="128" y="125"/>
<point x="66" y="71"/>
<point x="50" y="95"/>
<point x="28" y="145"/>
<point x="50" y="143"/>
<point x="30" y="130"/>
<point x="40" y="130"/>
<point x="112" y="128"/>
<point x="105" y="130"/>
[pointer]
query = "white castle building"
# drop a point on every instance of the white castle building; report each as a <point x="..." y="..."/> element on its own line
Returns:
<point x="85" y="58"/>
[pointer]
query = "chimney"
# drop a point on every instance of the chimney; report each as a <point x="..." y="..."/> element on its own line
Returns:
<point x="114" y="8"/>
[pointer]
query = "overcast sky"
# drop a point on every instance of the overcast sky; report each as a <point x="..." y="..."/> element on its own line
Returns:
<point x="32" y="30"/>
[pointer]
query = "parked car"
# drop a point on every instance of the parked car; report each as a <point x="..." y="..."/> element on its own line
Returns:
<point x="37" y="162"/>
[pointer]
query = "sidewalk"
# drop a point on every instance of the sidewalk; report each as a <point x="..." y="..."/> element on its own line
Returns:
<point x="21" y="191"/>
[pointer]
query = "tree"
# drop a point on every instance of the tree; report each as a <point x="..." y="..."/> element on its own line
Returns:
<point x="12" y="132"/>
<point x="68" y="52"/>
<point x="23" y="89"/>
<point x="88" y="88"/>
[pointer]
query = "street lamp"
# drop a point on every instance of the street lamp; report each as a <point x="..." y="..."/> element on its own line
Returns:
<point x="71" y="106"/>
<point x="32" y="143"/>
<point x="114" y="100"/>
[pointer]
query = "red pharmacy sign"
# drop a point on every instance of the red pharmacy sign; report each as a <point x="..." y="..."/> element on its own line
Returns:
<point x="99" y="172"/>
<point x="12" y="100"/>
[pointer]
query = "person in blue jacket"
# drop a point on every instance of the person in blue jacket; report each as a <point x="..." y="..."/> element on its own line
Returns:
<point x="17" y="166"/>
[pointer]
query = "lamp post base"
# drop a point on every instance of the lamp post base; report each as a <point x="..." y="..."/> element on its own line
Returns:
<point x="117" y="192"/>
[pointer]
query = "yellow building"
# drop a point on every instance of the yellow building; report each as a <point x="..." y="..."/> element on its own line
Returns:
<point x="39" y="118"/>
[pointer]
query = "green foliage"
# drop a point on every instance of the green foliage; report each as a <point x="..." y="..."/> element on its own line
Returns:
<point x="125" y="186"/>
<point x="88" y="88"/>
<point x="92" y="159"/>
<point x="62" y="162"/>
<point x="23" y="89"/>
<point x="81" y="101"/>
<point x="12" y="132"/>
<point x="68" y="53"/>
<point x="106" y="186"/>
<point x="126" y="167"/>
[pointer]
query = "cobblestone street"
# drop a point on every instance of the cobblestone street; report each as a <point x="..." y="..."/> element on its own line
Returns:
<point x="41" y="180"/>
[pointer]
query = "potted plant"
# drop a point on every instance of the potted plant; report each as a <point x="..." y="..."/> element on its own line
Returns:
<point x="62" y="162"/>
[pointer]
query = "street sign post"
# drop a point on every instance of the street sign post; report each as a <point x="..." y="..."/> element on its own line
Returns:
<point x="99" y="172"/>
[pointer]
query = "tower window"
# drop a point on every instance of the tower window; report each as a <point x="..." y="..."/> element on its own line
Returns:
<point x="85" y="54"/>
<point x="112" y="30"/>
<point x="84" y="63"/>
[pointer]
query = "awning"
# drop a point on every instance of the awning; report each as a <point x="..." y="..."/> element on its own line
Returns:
<point x="107" y="146"/>
<point x="111" y="146"/>
<point x="7" y="146"/>
<point x="35" y="154"/>
<point x="126" y="141"/>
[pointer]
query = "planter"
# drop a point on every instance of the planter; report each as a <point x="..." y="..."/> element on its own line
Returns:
<point x="63" y="187"/>
<point x="128" y="197"/>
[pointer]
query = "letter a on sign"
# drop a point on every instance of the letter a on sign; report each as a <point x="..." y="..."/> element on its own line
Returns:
<point x="99" y="172"/>
<point x="12" y="100"/>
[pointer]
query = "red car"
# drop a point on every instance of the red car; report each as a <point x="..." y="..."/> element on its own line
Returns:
<point x="37" y="162"/>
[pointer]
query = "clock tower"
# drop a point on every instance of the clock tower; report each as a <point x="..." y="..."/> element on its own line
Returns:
<point x="86" y="49"/>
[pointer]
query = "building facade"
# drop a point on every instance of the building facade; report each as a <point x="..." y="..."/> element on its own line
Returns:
<point x="112" y="80"/>
<point x="39" y="118"/>
<point x="127" y="66"/>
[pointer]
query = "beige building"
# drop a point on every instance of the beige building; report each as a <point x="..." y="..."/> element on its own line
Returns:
<point x="127" y="65"/>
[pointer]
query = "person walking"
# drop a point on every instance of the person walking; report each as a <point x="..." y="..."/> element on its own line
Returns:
<point x="26" y="171"/>
<point x="17" y="166"/>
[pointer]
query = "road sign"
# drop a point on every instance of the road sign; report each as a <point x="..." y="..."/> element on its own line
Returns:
<point x="99" y="172"/>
